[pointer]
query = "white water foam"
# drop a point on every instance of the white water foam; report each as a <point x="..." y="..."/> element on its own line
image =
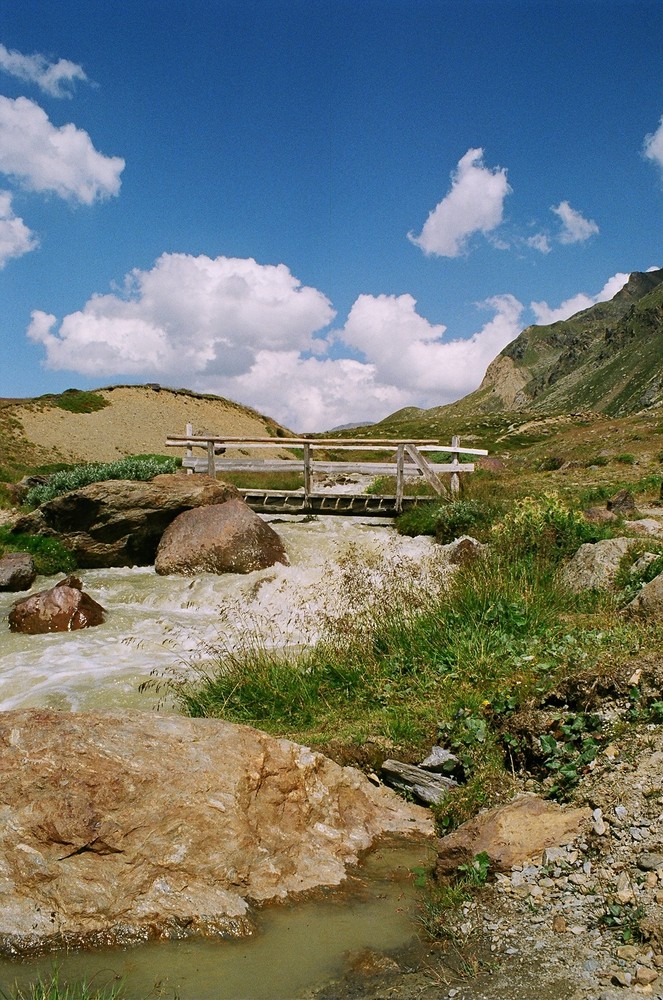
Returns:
<point x="159" y="623"/>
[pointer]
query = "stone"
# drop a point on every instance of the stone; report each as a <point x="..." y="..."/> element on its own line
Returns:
<point x="645" y="976"/>
<point x="120" y="522"/>
<point x="559" y="924"/>
<point x="595" y="564"/>
<point x="442" y="761"/>
<point x="462" y="550"/>
<point x="17" y="571"/>
<point x="648" y="602"/>
<point x="63" y="608"/>
<point x="645" y="526"/>
<point x="124" y="826"/>
<point x="650" y="861"/>
<point x="622" y="503"/>
<point x="219" y="538"/>
<point x="511" y="834"/>
<point x="599" y="515"/>
<point x="425" y="786"/>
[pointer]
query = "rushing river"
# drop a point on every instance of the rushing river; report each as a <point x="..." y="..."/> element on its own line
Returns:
<point x="164" y="624"/>
<point x="158" y="623"/>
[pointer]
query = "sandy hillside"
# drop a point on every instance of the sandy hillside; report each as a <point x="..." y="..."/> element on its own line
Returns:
<point x="136" y="421"/>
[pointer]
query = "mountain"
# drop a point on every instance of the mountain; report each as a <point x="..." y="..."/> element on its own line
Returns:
<point x="608" y="358"/>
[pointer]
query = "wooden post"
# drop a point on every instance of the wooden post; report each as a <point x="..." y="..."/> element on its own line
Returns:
<point x="189" y="449"/>
<point x="400" y="462"/>
<point x="211" y="467"/>
<point x="307" y="470"/>
<point x="455" y="478"/>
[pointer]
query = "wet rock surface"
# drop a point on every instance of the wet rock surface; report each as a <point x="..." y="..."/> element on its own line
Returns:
<point x="62" y="608"/>
<point x="119" y="827"/>
<point x="219" y="538"/>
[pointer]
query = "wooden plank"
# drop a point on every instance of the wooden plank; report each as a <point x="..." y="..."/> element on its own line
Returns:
<point x="177" y="441"/>
<point x="296" y="465"/>
<point x="400" y="473"/>
<point x="426" y="469"/>
<point x="307" y="469"/>
<point x="455" y="478"/>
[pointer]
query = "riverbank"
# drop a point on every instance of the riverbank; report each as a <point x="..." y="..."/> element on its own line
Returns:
<point x="583" y="922"/>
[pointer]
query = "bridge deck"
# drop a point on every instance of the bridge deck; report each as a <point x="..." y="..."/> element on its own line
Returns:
<point x="343" y="504"/>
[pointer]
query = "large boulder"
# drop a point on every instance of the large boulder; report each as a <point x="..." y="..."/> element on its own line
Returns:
<point x="648" y="603"/>
<point x="222" y="538"/>
<point x="595" y="564"/>
<point x="119" y="827"/>
<point x="63" y="608"/>
<point x="120" y="522"/>
<point x="17" y="571"/>
<point x="511" y="834"/>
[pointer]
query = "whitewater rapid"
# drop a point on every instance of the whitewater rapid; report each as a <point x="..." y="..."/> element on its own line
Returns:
<point x="159" y="625"/>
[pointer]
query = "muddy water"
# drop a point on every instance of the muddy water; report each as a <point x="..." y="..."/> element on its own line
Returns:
<point x="296" y="948"/>
<point x="164" y="624"/>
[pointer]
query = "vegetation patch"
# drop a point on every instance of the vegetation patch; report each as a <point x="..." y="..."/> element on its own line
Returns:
<point x="49" y="555"/>
<point x="79" y="401"/>
<point x="54" y="988"/>
<point x="136" y="467"/>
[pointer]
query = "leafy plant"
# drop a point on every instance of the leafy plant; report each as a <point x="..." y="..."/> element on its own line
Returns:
<point x="545" y="525"/>
<point x="569" y="749"/>
<point x="624" y="917"/>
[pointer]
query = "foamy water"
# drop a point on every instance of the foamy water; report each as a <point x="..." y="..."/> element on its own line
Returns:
<point x="162" y="623"/>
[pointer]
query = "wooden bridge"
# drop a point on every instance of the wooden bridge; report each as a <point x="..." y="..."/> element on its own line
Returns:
<point x="408" y="462"/>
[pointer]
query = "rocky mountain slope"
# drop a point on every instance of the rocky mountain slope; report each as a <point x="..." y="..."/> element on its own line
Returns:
<point x="607" y="359"/>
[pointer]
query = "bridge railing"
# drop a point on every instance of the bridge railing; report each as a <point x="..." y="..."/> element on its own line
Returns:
<point x="410" y="459"/>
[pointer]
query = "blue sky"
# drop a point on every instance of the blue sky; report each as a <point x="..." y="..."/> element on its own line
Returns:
<point x="325" y="209"/>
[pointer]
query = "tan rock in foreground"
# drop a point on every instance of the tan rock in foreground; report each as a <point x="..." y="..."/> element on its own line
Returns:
<point x="511" y="834"/>
<point x="121" y="827"/>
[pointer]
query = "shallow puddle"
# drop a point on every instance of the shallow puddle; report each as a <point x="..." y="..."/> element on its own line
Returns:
<point x="297" y="947"/>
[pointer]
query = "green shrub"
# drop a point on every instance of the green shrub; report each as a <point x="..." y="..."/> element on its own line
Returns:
<point x="545" y="526"/>
<point x="137" y="467"/>
<point x="625" y="459"/>
<point x="550" y="464"/>
<point x="78" y="401"/>
<point x="448" y="520"/>
<point x="463" y="517"/>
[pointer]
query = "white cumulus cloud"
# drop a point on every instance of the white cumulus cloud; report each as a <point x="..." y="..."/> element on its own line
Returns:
<point x="247" y="331"/>
<point x="575" y="228"/>
<point x="15" y="237"/>
<point x="47" y="158"/>
<point x="54" y="78"/>
<point x="408" y="351"/>
<point x="186" y="317"/>
<point x="545" y="314"/>
<point x="653" y="145"/>
<point x="474" y="204"/>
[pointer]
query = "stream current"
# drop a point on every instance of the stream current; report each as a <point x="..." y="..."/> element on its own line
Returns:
<point x="166" y="625"/>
